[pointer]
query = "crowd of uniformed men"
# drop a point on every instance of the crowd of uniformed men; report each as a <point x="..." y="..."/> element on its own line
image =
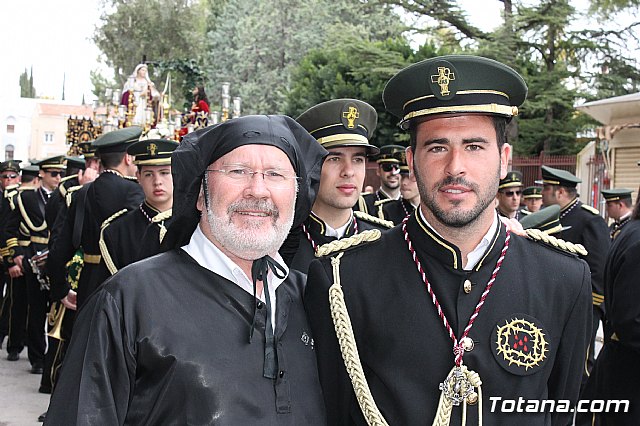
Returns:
<point x="69" y="223"/>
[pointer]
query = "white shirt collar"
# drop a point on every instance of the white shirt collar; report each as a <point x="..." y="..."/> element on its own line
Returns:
<point x="476" y="254"/>
<point x="212" y="258"/>
<point x="338" y="232"/>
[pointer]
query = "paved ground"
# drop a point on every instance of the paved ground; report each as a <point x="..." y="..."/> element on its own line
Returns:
<point x="20" y="402"/>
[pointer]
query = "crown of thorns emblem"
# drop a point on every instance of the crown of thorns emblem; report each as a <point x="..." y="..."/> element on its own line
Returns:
<point x="521" y="343"/>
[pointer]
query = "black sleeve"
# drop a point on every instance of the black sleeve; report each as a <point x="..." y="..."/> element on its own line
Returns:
<point x="99" y="368"/>
<point x="10" y="234"/>
<point x="624" y="283"/>
<point x="597" y="241"/>
<point x="62" y="250"/>
<point x="336" y="385"/>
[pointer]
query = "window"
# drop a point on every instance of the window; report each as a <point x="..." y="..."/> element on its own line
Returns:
<point x="48" y="137"/>
<point x="11" y="128"/>
<point x="8" y="153"/>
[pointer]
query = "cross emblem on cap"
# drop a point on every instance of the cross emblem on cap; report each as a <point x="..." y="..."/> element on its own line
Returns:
<point x="152" y="148"/>
<point x="351" y="115"/>
<point x="443" y="78"/>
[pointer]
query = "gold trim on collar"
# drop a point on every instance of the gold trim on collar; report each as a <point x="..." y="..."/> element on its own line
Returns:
<point x="433" y="236"/>
<point x="460" y="92"/>
<point x="315" y="218"/>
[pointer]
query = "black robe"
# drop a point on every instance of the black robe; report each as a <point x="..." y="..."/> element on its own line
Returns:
<point x="165" y="342"/>
<point x="404" y="347"/>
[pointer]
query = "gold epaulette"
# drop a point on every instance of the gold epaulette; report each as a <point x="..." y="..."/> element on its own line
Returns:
<point x="538" y="235"/>
<point x="383" y="201"/>
<point x="104" y="250"/>
<point x="373" y="219"/>
<point x="349" y="242"/>
<point x="590" y="209"/>
<point x="70" y="191"/>
<point x="131" y="178"/>
<point x="162" y="216"/>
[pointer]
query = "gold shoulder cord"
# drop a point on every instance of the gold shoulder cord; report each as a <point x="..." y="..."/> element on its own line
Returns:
<point x="27" y="220"/>
<point x="538" y="235"/>
<point x="349" y="349"/>
<point x="104" y="250"/>
<point x="373" y="219"/>
<point x="70" y="191"/>
<point x="345" y="243"/>
<point x="159" y="219"/>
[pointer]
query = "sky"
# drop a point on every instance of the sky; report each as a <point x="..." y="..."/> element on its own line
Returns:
<point x="53" y="37"/>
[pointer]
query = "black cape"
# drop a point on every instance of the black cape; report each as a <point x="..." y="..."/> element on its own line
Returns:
<point x="158" y="345"/>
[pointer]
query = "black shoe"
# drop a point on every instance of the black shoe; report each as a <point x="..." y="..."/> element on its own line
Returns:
<point x="36" y="369"/>
<point x="42" y="417"/>
<point x="13" y="356"/>
<point x="44" y="389"/>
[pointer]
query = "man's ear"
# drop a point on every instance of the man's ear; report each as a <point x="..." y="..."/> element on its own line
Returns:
<point x="505" y="154"/>
<point x="200" y="200"/>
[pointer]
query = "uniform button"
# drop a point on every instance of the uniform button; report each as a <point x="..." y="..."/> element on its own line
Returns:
<point x="260" y="305"/>
<point x="281" y="374"/>
<point x="467" y="344"/>
<point x="467" y="286"/>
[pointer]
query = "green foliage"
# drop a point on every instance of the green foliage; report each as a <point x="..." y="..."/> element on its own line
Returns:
<point x="354" y="69"/>
<point x="256" y="44"/>
<point x="27" y="90"/>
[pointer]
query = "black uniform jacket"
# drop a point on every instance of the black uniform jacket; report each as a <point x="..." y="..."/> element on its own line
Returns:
<point x="316" y="233"/>
<point x="590" y="230"/>
<point x="530" y="336"/>
<point x="166" y="342"/>
<point x="28" y="217"/>
<point x="91" y="206"/>
<point x="397" y="210"/>
<point x="369" y="202"/>
<point x="132" y="236"/>
<point x="616" y="373"/>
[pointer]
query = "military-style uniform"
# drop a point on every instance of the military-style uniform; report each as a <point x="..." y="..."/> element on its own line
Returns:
<point x="589" y="229"/>
<point x="512" y="180"/>
<point x="525" y="335"/>
<point x="92" y="205"/>
<point x="405" y="350"/>
<point x="618" y="194"/>
<point x="313" y="235"/>
<point x="529" y="193"/>
<point x="335" y="124"/>
<point x="128" y="237"/>
<point x="396" y="210"/>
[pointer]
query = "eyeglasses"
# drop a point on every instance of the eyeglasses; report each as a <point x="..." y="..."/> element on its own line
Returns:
<point x="243" y="175"/>
<point x="390" y="167"/>
<point x="511" y="193"/>
<point x="11" y="176"/>
<point x="55" y="173"/>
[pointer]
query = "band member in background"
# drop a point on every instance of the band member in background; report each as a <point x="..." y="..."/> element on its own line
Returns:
<point x="343" y="127"/>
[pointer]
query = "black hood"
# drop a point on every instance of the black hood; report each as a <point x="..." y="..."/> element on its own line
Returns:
<point x="201" y="148"/>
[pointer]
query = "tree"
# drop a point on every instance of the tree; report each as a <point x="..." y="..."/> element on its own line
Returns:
<point x="154" y="31"/>
<point x="358" y="69"/>
<point x="27" y="90"/>
<point x="256" y="44"/>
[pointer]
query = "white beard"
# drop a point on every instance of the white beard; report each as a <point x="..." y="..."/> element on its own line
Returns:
<point x="249" y="243"/>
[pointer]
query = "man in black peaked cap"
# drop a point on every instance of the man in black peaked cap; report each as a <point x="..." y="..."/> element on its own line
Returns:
<point x="212" y="331"/>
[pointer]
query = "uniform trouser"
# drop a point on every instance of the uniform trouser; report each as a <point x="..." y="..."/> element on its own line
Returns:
<point x="17" y="308"/>
<point x="67" y="329"/>
<point x="38" y="307"/>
